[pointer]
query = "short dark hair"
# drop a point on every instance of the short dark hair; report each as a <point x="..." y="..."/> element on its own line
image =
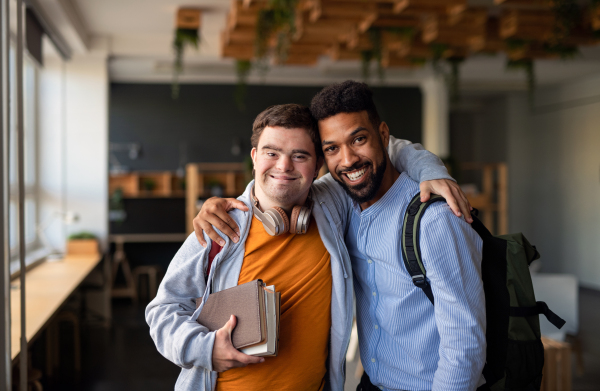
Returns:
<point x="287" y="116"/>
<point x="347" y="97"/>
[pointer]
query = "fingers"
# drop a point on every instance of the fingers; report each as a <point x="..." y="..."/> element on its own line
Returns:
<point x="212" y="221"/>
<point x="244" y="359"/>
<point x="236" y="204"/>
<point x="425" y="188"/>
<point x="223" y="221"/>
<point x="230" y="325"/>
<point x="463" y="202"/>
<point x="456" y="199"/>
<point x="198" y="231"/>
<point x="225" y="355"/>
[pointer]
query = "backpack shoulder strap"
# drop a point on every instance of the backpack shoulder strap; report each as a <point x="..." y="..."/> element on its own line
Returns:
<point x="411" y="250"/>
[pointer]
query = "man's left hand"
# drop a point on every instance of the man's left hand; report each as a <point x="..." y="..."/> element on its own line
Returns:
<point x="456" y="199"/>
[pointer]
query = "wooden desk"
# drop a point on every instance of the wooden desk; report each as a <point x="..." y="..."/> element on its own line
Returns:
<point x="47" y="287"/>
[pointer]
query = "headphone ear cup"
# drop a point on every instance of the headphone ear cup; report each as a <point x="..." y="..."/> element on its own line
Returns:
<point x="284" y="218"/>
<point x="294" y="218"/>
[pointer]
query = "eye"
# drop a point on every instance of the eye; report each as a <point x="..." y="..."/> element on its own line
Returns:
<point x="300" y="157"/>
<point x="359" y="139"/>
<point x="329" y="149"/>
<point x="270" y="154"/>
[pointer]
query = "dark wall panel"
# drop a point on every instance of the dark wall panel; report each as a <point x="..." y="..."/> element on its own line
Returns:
<point x="202" y="124"/>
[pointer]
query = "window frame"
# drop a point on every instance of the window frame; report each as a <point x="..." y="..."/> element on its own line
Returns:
<point x="34" y="248"/>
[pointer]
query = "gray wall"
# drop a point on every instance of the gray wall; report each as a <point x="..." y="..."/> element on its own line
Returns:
<point x="201" y="125"/>
<point x="554" y="157"/>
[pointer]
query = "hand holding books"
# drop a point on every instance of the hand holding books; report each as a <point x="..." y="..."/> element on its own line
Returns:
<point x="225" y="356"/>
<point x="255" y="309"/>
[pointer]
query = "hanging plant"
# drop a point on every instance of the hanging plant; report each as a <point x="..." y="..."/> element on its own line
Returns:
<point x="406" y="34"/>
<point x="517" y="47"/>
<point x="453" y="78"/>
<point x="279" y="18"/>
<point x="375" y="53"/>
<point x="437" y="52"/>
<point x="527" y="65"/>
<point x="183" y="38"/>
<point x="242" y="68"/>
<point x="565" y="52"/>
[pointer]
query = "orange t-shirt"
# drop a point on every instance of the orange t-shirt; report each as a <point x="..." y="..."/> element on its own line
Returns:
<point x="300" y="268"/>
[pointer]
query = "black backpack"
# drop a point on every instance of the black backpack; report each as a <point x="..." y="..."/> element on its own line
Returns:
<point x="515" y="353"/>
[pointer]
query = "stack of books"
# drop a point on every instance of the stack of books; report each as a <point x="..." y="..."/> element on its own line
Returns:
<point x="257" y="308"/>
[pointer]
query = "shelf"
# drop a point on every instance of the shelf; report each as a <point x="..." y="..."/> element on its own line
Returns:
<point x="231" y="178"/>
<point x="147" y="184"/>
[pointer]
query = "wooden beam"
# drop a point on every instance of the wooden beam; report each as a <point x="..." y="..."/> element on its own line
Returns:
<point x="240" y="52"/>
<point x="339" y="52"/>
<point x="527" y="24"/>
<point x="436" y="30"/>
<point x="404" y="6"/>
<point x="525" y="3"/>
<point x="470" y="16"/>
<point x="188" y="18"/>
<point x="244" y="35"/>
<point x="490" y="40"/>
<point x="398" y="21"/>
<point x="595" y="18"/>
<point x="241" y="16"/>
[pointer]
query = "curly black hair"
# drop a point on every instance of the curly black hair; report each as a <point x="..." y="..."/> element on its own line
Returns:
<point x="347" y="97"/>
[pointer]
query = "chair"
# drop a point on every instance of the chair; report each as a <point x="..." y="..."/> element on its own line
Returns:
<point x="152" y="271"/>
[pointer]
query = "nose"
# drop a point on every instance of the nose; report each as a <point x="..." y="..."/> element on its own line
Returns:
<point x="349" y="158"/>
<point x="285" y="164"/>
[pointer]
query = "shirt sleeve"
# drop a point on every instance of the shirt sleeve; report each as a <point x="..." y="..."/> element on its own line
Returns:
<point x="452" y="252"/>
<point x="420" y="164"/>
<point x="173" y="326"/>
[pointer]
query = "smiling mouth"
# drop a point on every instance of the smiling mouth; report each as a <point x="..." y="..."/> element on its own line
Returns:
<point x="283" y="178"/>
<point x="356" y="175"/>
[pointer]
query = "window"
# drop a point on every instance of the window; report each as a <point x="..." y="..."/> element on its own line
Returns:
<point x="30" y="95"/>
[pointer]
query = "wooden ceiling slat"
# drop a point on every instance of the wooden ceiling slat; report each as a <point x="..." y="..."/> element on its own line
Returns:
<point x="438" y="6"/>
<point x="340" y="29"/>
<point x="436" y="30"/>
<point x="527" y="25"/>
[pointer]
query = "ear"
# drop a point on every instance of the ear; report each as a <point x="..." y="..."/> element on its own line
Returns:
<point x="384" y="134"/>
<point x="253" y="156"/>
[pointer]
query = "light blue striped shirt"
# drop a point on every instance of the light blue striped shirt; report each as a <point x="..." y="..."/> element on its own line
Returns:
<point x="406" y="343"/>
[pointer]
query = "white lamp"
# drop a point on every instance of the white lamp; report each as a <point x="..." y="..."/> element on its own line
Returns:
<point x="68" y="218"/>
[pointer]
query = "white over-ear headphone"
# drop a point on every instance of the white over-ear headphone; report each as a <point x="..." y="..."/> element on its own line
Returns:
<point x="275" y="219"/>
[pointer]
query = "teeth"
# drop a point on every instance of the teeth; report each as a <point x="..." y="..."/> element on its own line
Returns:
<point x="356" y="175"/>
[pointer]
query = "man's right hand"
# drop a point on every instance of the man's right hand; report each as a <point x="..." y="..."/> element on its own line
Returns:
<point x="224" y="355"/>
<point x="214" y="213"/>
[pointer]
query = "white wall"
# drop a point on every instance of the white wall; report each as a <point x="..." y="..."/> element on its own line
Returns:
<point x="87" y="143"/>
<point x="554" y="163"/>
<point x="74" y="144"/>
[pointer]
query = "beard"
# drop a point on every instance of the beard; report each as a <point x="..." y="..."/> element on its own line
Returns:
<point x="365" y="191"/>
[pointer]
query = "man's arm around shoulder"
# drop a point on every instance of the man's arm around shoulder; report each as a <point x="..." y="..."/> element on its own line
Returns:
<point x="452" y="253"/>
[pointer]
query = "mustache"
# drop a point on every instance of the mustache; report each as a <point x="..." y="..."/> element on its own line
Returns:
<point x="354" y="167"/>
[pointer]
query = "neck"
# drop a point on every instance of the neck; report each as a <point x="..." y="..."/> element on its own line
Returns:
<point x="389" y="178"/>
<point x="265" y="202"/>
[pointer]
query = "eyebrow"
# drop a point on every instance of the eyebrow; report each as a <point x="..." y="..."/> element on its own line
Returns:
<point x="354" y="132"/>
<point x="302" y="151"/>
